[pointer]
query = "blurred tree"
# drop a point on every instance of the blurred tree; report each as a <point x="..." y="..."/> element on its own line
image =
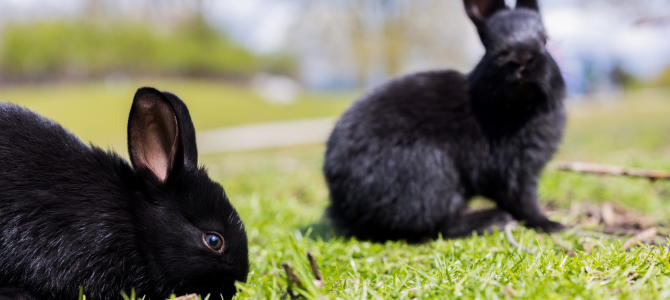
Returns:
<point x="664" y="79"/>
<point x="386" y="36"/>
<point x="152" y="37"/>
<point x="81" y="49"/>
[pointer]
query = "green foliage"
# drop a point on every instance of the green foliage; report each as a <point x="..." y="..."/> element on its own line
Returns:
<point x="634" y="132"/>
<point x="33" y="50"/>
<point x="281" y="196"/>
<point x="98" y="112"/>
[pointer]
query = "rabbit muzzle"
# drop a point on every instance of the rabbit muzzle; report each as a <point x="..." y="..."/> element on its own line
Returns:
<point x="521" y="62"/>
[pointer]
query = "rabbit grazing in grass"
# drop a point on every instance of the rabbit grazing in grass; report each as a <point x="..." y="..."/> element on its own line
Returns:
<point x="404" y="160"/>
<point x="73" y="215"/>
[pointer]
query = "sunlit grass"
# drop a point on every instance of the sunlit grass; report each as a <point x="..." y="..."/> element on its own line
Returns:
<point x="281" y="197"/>
<point x="636" y="121"/>
<point x="280" y="194"/>
<point x="98" y="112"/>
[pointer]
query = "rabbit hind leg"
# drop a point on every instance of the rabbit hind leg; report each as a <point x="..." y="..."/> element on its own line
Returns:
<point x="479" y="221"/>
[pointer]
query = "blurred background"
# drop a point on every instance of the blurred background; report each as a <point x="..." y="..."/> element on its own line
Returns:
<point x="603" y="46"/>
<point x="266" y="79"/>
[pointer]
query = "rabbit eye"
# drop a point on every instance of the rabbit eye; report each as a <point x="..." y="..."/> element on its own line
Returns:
<point x="213" y="241"/>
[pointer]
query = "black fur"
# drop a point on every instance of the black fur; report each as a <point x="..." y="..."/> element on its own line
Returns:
<point x="73" y="215"/>
<point x="403" y="161"/>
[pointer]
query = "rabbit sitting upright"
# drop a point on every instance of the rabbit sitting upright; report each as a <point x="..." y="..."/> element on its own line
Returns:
<point x="73" y="215"/>
<point x="403" y="161"/>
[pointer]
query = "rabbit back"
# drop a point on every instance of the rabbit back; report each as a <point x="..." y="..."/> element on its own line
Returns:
<point x="63" y="211"/>
<point x="392" y="162"/>
<point x="402" y="162"/>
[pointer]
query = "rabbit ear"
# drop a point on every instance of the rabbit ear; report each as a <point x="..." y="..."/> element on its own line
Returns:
<point x="153" y="134"/>
<point x="186" y="129"/>
<point x="480" y="10"/>
<point x="531" y="4"/>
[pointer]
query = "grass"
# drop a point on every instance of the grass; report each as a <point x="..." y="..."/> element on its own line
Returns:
<point x="281" y="196"/>
<point x="282" y="206"/>
<point x="98" y="111"/>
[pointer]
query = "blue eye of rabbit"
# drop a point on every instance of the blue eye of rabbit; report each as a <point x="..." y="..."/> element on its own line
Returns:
<point x="213" y="241"/>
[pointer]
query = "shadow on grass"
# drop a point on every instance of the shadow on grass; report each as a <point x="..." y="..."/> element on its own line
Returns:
<point x="323" y="229"/>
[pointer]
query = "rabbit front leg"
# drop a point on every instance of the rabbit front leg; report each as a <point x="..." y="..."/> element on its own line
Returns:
<point x="522" y="204"/>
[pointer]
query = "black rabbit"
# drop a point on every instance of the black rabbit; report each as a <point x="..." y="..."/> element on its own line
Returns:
<point x="73" y="215"/>
<point x="403" y="161"/>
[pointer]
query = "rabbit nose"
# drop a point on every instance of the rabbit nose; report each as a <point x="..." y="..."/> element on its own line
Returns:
<point x="522" y="59"/>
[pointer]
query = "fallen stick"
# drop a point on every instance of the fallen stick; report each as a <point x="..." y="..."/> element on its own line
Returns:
<point x="510" y="238"/>
<point x="641" y="236"/>
<point x="595" y="234"/>
<point x="582" y="167"/>
<point x="294" y="281"/>
<point x="318" y="278"/>
<point x="558" y="242"/>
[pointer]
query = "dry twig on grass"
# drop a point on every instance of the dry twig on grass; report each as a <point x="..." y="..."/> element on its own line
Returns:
<point x="582" y="167"/>
<point x="607" y="213"/>
<point x="510" y="238"/>
<point x="318" y="278"/>
<point x="595" y="234"/>
<point x="294" y="280"/>
<point x="562" y="244"/>
<point x="641" y="236"/>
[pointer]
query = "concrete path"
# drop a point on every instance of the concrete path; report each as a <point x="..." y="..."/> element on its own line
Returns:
<point x="265" y="135"/>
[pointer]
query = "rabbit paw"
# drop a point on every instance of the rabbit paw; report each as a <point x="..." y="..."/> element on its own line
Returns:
<point x="547" y="226"/>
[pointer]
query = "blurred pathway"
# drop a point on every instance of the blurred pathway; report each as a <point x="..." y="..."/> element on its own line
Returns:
<point x="265" y="135"/>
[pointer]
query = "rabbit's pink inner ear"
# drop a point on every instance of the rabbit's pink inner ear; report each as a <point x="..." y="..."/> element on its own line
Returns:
<point x="154" y="136"/>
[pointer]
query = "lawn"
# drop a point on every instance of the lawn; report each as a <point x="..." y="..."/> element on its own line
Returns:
<point x="98" y="111"/>
<point x="281" y="195"/>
